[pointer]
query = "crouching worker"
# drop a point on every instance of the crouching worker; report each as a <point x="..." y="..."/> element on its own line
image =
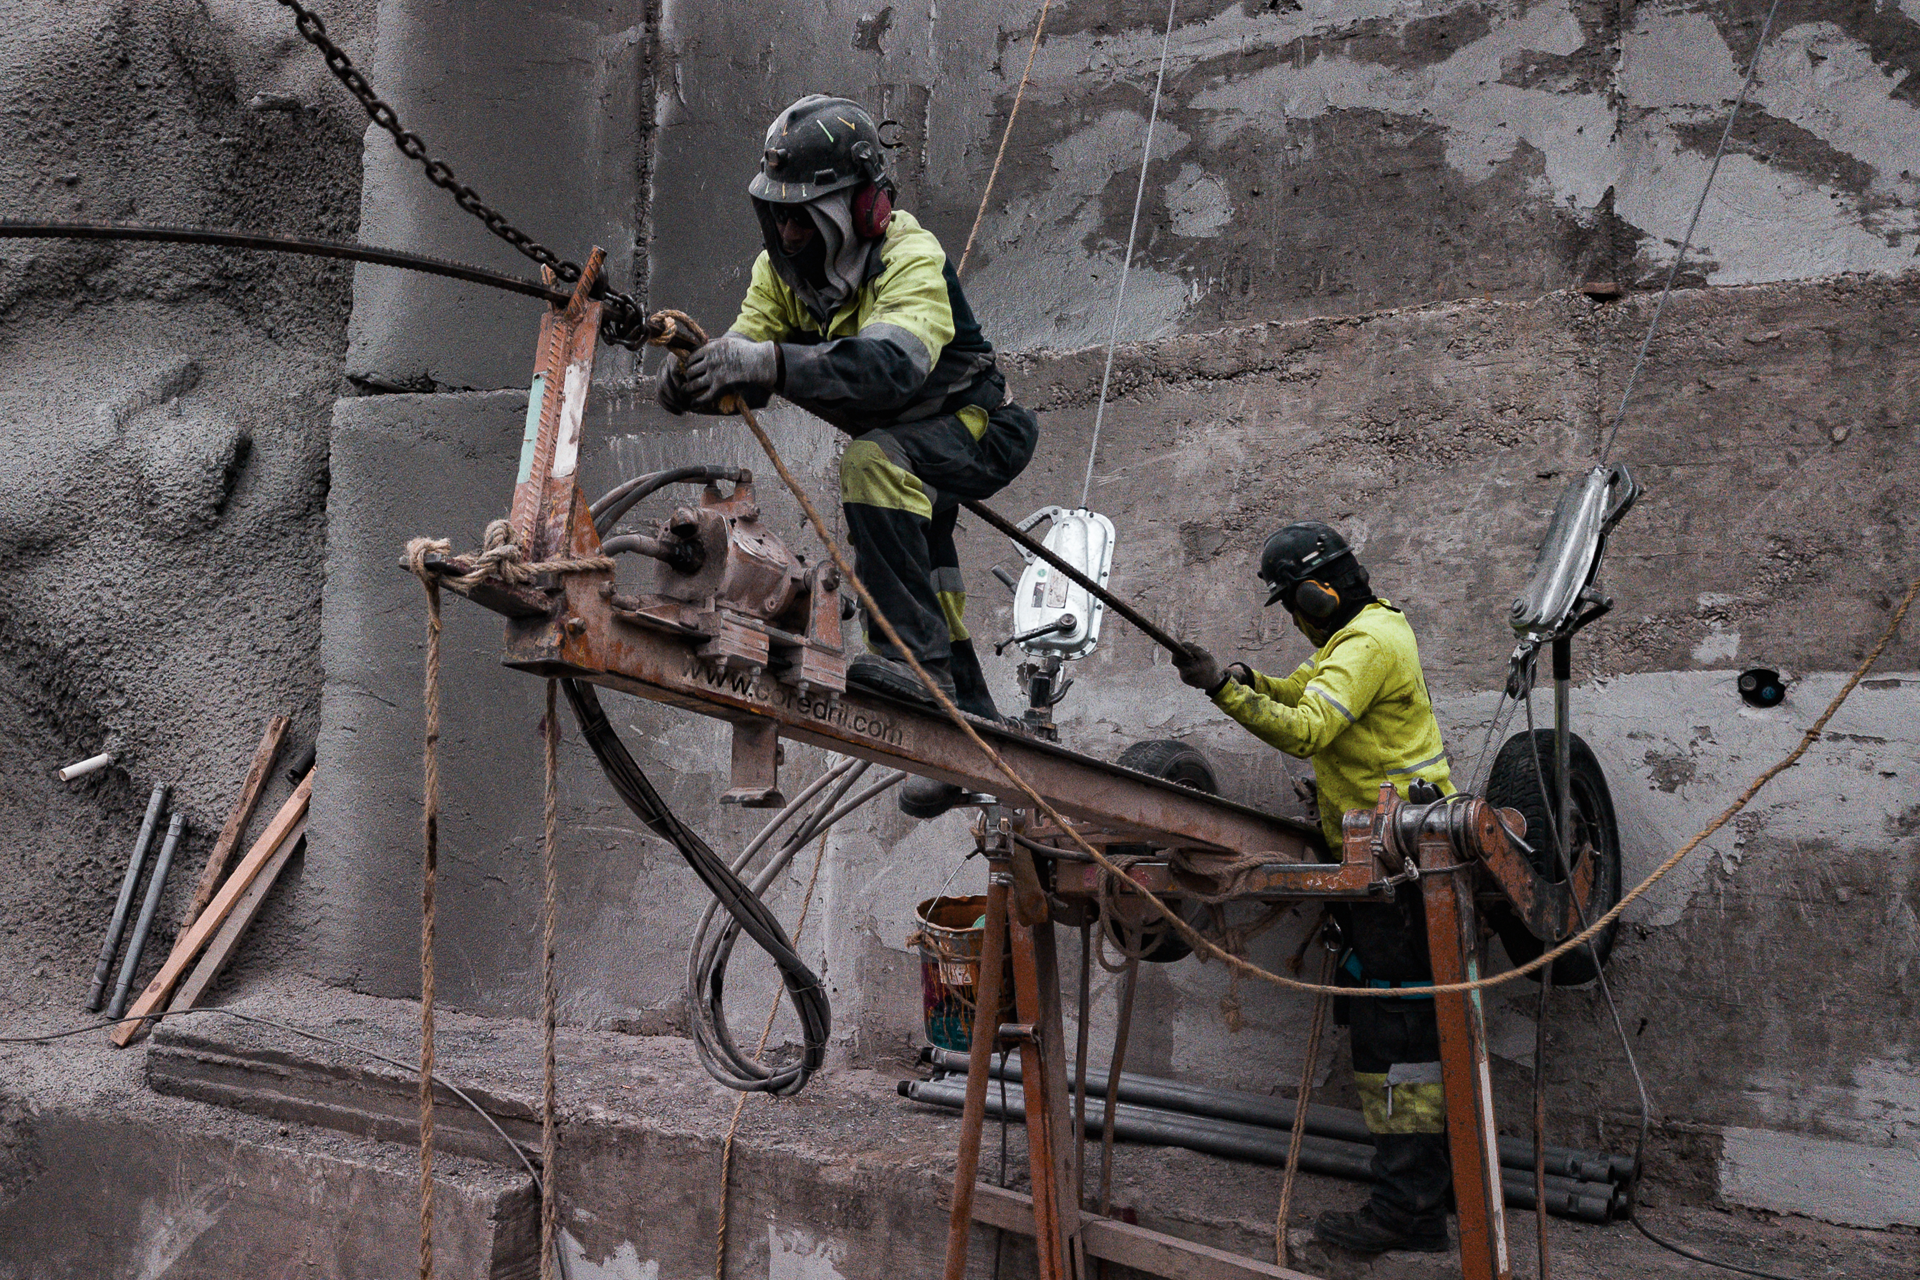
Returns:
<point x="855" y="314"/>
<point x="1358" y="709"/>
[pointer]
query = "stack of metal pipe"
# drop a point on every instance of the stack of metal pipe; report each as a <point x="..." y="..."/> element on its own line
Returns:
<point x="1579" y="1184"/>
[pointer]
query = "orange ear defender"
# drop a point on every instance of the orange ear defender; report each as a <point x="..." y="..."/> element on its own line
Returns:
<point x="1316" y="599"/>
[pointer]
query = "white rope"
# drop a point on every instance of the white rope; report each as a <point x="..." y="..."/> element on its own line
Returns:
<point x="1126" y="263"/>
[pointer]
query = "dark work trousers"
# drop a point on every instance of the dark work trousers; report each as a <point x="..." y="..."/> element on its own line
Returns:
<point x="1396" y="1066"/>
<point x="900" y="490"/>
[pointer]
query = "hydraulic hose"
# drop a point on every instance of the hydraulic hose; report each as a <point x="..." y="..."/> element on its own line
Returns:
<point x="751" y="915"/>
<point x="613" y="504"/>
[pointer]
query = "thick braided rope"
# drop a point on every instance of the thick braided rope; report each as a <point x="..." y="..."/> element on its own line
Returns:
<point x="1194" y="938"/>
<point x="549" y="983"/>
<point x="1039" y="28"/>
<point x="1300" y="1104"/>
<point x="500" y="558"/>
<point x="430" y="859"/>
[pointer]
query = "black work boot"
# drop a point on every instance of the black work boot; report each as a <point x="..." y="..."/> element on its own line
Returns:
<point x="896" y="679"/>
<point x="1359" y="1231"/>
<point x="970" y="683"/>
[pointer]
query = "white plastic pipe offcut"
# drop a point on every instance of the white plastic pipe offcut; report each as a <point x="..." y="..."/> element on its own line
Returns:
<point x="92" y="764"/>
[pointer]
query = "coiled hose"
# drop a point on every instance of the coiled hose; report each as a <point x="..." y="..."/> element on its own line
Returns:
<point x="749" y="914"/>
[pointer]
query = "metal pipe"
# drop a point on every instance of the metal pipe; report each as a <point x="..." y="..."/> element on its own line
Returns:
<point x="92" y="764"/>
<point x="1566" y="1197"/>
<point x="302" y="763"/>
<point x="1322" y="1121"/>
<point x="156" y="885"/>
<point x="104" y="965"/>
<point x="1563" y="749"/>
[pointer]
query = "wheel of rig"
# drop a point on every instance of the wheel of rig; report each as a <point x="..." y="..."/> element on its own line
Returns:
<point x="1523" y="778"/>
<point x="1183" y="764"/>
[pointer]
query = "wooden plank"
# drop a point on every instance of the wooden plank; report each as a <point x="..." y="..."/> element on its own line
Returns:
<point x="227" y="941"/>
<point x="1153" y="1252"/>
<point x="188" y="945"/>
<point x="237" y="820"/>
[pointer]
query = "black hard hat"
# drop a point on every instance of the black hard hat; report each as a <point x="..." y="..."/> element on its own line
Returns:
<point x="815" y="147"/>
<point x="1296" y="553"/>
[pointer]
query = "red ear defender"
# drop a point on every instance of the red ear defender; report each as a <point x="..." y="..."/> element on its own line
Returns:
<point x="872" y="210"/>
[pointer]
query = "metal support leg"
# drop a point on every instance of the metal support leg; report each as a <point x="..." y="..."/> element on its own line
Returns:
<point x="1563" y="750"/>
<point x="1036" y="993"/>
<point x="1453" y="941"/>
<point x="986" y="1028"/>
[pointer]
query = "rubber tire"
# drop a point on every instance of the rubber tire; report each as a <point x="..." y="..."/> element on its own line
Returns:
<point x="1515" y="783"/>
<point x="1180" y="763"/>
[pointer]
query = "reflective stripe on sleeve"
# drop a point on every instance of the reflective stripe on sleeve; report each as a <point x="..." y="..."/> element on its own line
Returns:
<point x="1334" y="702"/>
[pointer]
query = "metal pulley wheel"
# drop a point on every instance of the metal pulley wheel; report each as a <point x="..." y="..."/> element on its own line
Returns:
<point x="1524" y="778"/>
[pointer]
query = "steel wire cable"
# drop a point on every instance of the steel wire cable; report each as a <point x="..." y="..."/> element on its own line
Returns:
<point x="1193" y="936"/>
<point x="1632" y="1211"/>
<point x="1126" y="263"/>
<point x="1686" y="241"/>
<point x="18" y="229"/>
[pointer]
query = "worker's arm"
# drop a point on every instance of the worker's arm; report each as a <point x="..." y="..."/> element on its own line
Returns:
<point x="1285" y="690"/>
<point x="907" y="324"/>
<point x="1338" y="693"/>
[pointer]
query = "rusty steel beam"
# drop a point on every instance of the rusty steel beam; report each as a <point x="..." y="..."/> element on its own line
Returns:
<point x="584" y="640"/>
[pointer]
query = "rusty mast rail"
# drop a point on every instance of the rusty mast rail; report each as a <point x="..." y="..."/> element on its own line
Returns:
<point x="584" y="642"/>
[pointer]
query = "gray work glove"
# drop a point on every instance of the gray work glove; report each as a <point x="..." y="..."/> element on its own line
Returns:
<point x="731" y="363"/>
<point x="672" y="394"/>
<point x="1199" y="668"/>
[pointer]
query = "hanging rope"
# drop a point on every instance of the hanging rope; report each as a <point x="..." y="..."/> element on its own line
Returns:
<point x="549" y="981"/>
<point x="429" y="863"/>
<point x="1301" y="1102"/>
<point x="1019" y="93"/>
<point x="1126" y="263"/>
<point x="501" y="559"/>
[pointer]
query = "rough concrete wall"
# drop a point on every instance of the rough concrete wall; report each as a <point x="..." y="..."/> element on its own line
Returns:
<point x="545" y="112"/>
<point x="1773" y="424"/>
<point x="162" y="438"/>
<point x="1320" y="159"/>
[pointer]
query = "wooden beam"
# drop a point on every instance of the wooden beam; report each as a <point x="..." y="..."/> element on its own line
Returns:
<point x="237" y="820"/>
<point x="227" y="941"/>
<point x="188" y="944"/>
<point x="1153" y="1252"/>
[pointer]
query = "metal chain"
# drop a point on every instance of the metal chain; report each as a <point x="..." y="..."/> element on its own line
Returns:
<point x="625" y="318"/>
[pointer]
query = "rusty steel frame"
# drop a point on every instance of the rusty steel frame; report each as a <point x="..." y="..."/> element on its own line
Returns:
<point x="574" y="624"/>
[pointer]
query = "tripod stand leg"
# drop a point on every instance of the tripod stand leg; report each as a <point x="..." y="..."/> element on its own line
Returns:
<point x="986" y="1028"/>
<point x="1453" y="943"/>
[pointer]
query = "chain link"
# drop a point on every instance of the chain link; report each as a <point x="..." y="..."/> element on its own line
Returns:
<point x="625" y="322"/>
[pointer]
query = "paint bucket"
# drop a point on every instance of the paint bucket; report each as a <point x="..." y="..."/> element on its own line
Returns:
<point x="949" y="937"/>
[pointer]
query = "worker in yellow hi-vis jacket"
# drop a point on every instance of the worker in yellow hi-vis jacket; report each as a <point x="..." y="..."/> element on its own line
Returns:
<point x="1358" y="708"/>
<point x="854" y="313"/>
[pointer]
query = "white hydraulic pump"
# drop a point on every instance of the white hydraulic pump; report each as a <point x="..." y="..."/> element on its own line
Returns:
<point x="1053" y="616"/>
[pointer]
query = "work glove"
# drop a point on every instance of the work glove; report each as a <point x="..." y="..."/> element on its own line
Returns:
<point x="731" y="363"/>
<point x="1199" y="668"/>
<point x="672" y="394"/>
